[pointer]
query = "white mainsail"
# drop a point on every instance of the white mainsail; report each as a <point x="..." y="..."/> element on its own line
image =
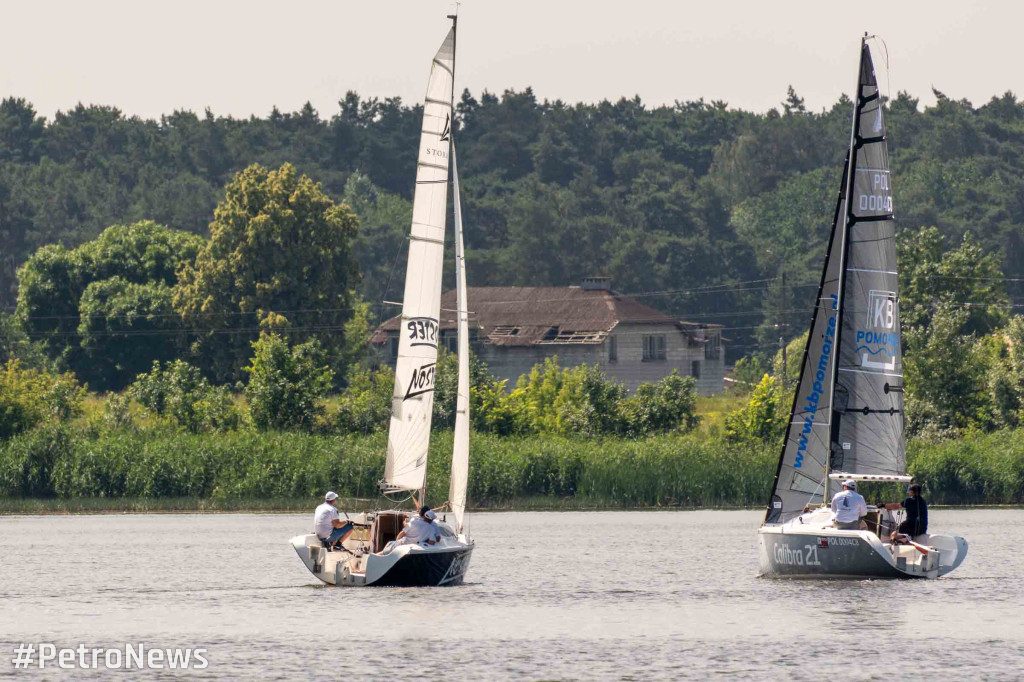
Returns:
<point x="413" y="400"/>
<point x="460" y="453"/>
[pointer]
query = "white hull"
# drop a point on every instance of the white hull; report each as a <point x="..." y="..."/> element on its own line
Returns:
<point x="442" y="564"/>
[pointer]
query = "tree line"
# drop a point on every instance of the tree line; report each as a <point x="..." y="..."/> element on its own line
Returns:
<point x="690" y="206"/>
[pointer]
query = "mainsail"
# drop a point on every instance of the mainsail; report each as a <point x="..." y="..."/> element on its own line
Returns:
<point x="413" y="399"/>
<point x="868" y="421"/>
<point x="848" y="415"/>
<point x="460" y="453"/>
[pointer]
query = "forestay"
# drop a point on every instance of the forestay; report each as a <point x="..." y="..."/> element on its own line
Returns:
<point x="460" y="452"/>
<point x="413" y="398"/>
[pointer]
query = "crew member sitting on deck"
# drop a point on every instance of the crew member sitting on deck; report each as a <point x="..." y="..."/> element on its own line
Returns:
<point x="421" y="530"/>
<point x="916" y="522"/>
<point x="849" y="507"/>
<point x="327" y="524"/>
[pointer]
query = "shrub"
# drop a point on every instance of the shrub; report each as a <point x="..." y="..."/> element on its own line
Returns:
<point x="179" y="391"/>
<point x="286" y="385"/>
<point x="28" y="396"/>
<point x="668" y="405"/>
<point x="366" y="402"/>
<point x="117" y="412"/>
<point x="763" y="419"/>
<point x="28" y="463"/>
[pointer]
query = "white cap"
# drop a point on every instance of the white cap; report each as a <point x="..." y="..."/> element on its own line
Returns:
<point x="850" y="483"/>
<point x="430" y="514"/>
<point x="331" y="495"/>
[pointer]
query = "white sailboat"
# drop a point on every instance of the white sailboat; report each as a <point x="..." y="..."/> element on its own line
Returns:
<point x="367" y="558"/>
<point x="847" y="420"/>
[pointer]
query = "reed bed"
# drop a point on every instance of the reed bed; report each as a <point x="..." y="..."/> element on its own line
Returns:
<point x="276" y="470"/>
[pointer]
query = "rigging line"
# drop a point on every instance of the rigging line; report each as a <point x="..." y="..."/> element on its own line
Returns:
<point x="398" y="254"/>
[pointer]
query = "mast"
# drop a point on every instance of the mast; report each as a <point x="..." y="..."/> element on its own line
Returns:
<point x="851" y="165"/>
<point x="460" y="448"/>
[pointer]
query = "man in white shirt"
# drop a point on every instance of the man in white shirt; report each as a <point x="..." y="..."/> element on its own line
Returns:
<point x="421" y="530"/>
<point x="848" y="507"/>
<point x="327" y="523"/>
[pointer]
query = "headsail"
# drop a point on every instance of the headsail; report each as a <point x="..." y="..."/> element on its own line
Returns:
<point x="869" y="420"/>
<point x="460" y="453"/>
<point x="798" y="479"/>
<point x="413" y="399"/>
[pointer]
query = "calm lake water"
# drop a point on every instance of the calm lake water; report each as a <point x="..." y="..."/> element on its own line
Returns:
<point x="611" y="595"/>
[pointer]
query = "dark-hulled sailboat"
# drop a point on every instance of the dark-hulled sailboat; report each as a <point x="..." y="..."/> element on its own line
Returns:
<point x="370" y="555"/>
<point x="847" y="420"/>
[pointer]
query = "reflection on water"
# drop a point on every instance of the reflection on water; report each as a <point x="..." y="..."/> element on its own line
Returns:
<point x="553" y="595"/>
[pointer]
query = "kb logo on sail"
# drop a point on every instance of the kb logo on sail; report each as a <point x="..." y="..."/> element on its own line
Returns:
<point x="881" y="309"/>
<point x="879" y="343"/>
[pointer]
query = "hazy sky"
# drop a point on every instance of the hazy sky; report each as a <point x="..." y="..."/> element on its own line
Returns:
<point x="242" y="58"/>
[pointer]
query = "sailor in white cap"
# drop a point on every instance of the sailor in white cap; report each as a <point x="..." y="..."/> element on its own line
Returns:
<point x="421" y="529"/>
<point x="849" y="507"/>
<point x="327" y="523"/>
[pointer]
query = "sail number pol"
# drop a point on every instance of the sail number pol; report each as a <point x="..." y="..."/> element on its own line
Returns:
<point x="880" y="198"/>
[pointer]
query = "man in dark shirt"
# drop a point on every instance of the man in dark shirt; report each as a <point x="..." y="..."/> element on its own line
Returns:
<point x="916" y="522"/>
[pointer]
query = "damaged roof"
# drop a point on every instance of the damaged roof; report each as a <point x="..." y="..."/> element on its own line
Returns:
<point x="523" y="316"/>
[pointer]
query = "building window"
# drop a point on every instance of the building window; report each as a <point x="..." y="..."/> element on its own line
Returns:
<point x="654" y="347"/>
<point x="613" y="349"/>
<point x="451" y="342"/>
<point x="695" y="369"/>
<point x="393" y="345"/>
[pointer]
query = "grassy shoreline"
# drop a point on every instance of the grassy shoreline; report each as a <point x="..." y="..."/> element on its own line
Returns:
<point x="94" y="506"/>
<point x="67" y="469"/>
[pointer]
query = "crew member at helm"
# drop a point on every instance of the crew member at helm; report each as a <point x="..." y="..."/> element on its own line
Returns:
<point x="849" y="507"/>
<point x="327" y="523"/>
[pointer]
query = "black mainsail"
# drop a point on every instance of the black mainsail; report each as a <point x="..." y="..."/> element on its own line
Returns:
<point x="847" y="413"/>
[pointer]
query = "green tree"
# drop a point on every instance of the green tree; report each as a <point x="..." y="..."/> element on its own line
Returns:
<point x="53" y="285"/>
<point x="964" y="277"/>
<point x="945" y="375"/>
<point x="365" y="405"/>
<point x="124" y="328"/>
<point x="16" y="345"/>
<point x="279" y="257"/>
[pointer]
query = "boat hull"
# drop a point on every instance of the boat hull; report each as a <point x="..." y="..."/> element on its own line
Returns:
<point x="428" y="569"/>
<point x="825" y="554"/>
<point x="798" y="551"/>
<point x="443" y="564"/>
